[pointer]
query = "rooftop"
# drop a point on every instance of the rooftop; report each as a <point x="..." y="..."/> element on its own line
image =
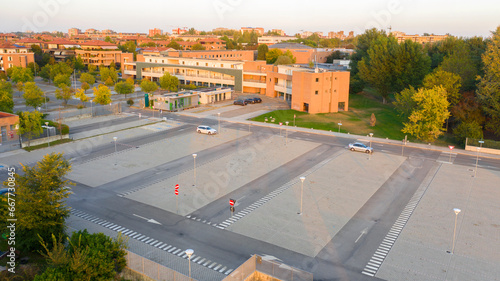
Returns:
<point x="285" y="45"/>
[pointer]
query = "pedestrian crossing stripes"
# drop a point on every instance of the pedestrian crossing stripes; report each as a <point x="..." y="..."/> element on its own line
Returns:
<point x="147" y="240"/>
<point x="385" y="246"/>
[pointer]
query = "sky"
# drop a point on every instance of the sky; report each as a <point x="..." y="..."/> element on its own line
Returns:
<point x="459" y="17"/>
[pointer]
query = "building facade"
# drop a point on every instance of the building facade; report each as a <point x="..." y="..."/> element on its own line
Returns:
<point x="12" y="55"/>
<point x="424" y="39"/>
<point x="9" y="124"/>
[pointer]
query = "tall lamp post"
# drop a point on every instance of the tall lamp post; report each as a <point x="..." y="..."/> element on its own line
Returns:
<point x="91" y="108"/>
<point x="189" y="253"/>
<point x="457" y="211"/>
<point x="371" y="136"/>
<point x="477" y="156"/>
<point x="218" y="114"/>
<point x="302" y="179"/>
<point x="286" y="133"/>
<point x="114" y="139"/>
<point x="340" y="124"/>
<point x="194" y="158"/>
<point x="48" y="134"/>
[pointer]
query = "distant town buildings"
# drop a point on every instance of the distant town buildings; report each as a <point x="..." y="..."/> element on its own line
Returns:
<point x="179" y="31"/>
<point x="155" y="31"/>
<point x="424" y="39"/>
<point x="258" y="30"/>
<point x="271" y="40"/>
<point x="340" y="35"/>
<point x="74" y="32"/>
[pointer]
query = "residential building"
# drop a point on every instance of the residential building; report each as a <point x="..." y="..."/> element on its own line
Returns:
<point x="155" y="31"/>
<point x="213" y="44"/>
<point x="9" y="124"/>
<point x="179" y="31"/>
<point x="212" y="95"/>
<point x="13" y="55"/>
<point x="98" y="45"/>
<point x="281" y="32"/>
<point x="8" y="37"/>
<point x="233" y="55"/>
<point x="28" y="42"/>
<point x="61" y="44"/>
<point x="424" y="39"/>
<point x="173" y="101"/>
<point x="91" y="31"/>
<point x="104" y="57"/>
<point x="258" y="30"/>
<point x="304" y="54"/>
<point x="271" y="40"/>
<point x="74" y="32"/>
<point x="310" y="90"/>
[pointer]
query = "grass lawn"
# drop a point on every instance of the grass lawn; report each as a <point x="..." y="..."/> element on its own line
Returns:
<point x="355" y="121"/>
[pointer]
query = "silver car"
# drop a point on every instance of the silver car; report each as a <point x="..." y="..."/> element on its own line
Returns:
<point x="206" y="130"/>
<point x="357" y="146"/>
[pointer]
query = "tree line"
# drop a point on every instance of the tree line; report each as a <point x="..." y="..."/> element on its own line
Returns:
<point x="446" y="86"/>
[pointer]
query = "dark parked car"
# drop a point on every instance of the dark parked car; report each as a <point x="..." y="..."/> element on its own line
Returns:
<point x="257" y="100"/>
<point x="249" y="100"/>
<point x="240" y="102"/>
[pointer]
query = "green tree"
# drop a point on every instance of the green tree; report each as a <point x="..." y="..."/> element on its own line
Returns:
<point x="377" y="68"/>
<point x="33" y="95"/>
<point x="169" y="82"/>
<point x="131" y="81"/>
<point x="148" y="86"/>
<point x="468" y="129"/>
<point x="107" y="72"/>
<point x="88" y="79"/>
<point x="404" y="102"/>
<point x="489" y="84"/>
<point x="78" y="63"/>
<point x="92" y="68"/>
<point x="460" y="62"/>
<point x="87" y="256"/>
<point x="283" y="60"/>
<point x="65" y="93"/>
<point x="80" y="94"/>
<point x="62" y="79"/>
<point x="21" y="74"/>
<point x="449" y="81"/>
<point x="124" y="88"/>
<point x="6" y="98"/>
<point x="35" y="68"/>
<point x="30" y="124"/>
<point x="262" y="51"/>
<point x="174" y="45"/>
<point x="109" y="82"/>
<point x="198" y="47"/>
<point x="102" y="95"/>
<point x="273" y="55"/>
<point x="431" y="111"/>
<point x="411" y="65"/>
<point x="41" y="192"/>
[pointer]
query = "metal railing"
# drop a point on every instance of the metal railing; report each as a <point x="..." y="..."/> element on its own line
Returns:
<point x="153" y="270"/>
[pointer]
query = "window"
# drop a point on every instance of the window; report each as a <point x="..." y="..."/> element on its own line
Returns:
<point x="316" y="92"/>
<point x="10" y="58"/>
<point x="317" y="79"/>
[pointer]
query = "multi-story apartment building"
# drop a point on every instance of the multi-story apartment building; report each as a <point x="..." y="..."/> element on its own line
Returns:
<point x="155" y="31"/>
<point x="179" y="31"/>
<point x="424" y="39"/>
<point x="304" y="54"/>
<point x="281" y="32"/>
<point x="8" y="37"/>
<point x="12" y="55"/>
<point x="8" y="127"/>
<point x="74" y="32"/>
<point x="213" y="44"/>
<point x="28" y="42"/>
<point x="258" y="30"/>
<point x="309" y="90"/>
<point x="271" y="40"/>
<point x="233" y="55"/>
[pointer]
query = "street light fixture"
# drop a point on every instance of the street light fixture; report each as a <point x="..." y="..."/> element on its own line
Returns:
<point x="189" y="253"/>
<point x="457" y="211"/>
<point x="477" y="156"/>
<point x="48" y="134"/>
<point x="194" y="158"/>
<point x="218" y="114"/>
<point x="286" y="133"/>
<point x="114" y="139"/>
<point x="302" y="179"/>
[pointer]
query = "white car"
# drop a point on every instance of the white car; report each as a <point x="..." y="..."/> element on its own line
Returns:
<point x="206" y="130"/>
<point x="357" y="146"/>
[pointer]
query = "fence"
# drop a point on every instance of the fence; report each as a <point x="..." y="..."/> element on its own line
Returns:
<point x="488" y="146"/>
<point x="152" y="269"/>
<point x="257" y="268"/>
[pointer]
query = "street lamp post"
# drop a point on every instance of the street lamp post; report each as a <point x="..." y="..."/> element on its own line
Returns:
<point x="45" y="97"/>
<point x="371" y="136"/>
<point x="48" y="134"/>
<point x="91" y="108"/>
<point x="189" y="253"/>
<point x="286" y="133"/>
<point x="114" y="139"/>
<point x="194" y="158"/>
<point x="457" y="211"/>
<point x="302" y="179"/>
<point x="340" y="124"/>
<point x="218" y="114"/>
<point x="477" y="156"/>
